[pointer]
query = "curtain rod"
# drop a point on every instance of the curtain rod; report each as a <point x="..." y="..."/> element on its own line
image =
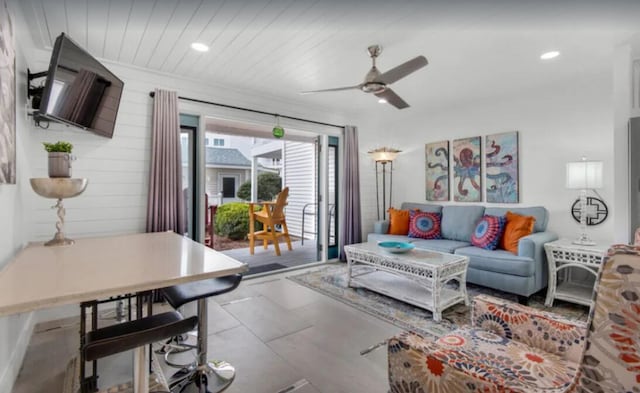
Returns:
<point x="152" y="94"/>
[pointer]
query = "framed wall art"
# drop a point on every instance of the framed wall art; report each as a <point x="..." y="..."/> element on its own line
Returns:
<point x="7" y="98"/>
<point x="502" y="167"/>
<point x="467" y="171"/>
<point x="437" y="171"/>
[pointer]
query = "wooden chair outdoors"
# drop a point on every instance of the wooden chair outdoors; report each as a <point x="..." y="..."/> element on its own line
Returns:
<point x="272" y="214"/>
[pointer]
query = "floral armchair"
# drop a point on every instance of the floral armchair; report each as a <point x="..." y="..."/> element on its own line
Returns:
<point x="513" y="348"/>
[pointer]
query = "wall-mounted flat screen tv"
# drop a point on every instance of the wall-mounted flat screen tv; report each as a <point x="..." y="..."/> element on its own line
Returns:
<point x="79" y="90"/>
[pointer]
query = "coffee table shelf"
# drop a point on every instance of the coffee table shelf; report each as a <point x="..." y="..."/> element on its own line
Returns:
<point x="427" y="279"/>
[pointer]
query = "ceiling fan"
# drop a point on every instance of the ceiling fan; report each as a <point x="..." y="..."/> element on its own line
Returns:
<point x="378" y="83"/>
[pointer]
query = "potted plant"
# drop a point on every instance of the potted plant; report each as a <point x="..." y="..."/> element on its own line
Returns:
<point x="59" y="158"/>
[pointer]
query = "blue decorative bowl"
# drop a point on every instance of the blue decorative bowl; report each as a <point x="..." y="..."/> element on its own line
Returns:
<point x="396" y="247"/>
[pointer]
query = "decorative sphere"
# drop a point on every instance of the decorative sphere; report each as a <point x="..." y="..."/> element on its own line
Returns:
<point x="278" y="132"/>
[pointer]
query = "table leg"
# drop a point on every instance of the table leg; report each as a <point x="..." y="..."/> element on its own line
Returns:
<point x="551" y="287"/>
<point x="435" y="296"/>
<point x="140" y="370"/>
<point x="463" y="288"/>
<point x="349" y="270"/>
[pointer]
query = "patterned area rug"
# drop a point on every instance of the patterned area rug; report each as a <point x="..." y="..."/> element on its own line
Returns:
<point x="332" y="281"/>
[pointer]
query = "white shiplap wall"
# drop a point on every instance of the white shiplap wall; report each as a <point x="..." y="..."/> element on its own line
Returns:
<point x="117" y="169"/>
<point x="300" y="175"/>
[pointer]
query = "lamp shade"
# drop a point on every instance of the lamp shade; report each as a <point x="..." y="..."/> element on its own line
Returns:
<point x="584" y="174"/>
<point x="384" y="154"/>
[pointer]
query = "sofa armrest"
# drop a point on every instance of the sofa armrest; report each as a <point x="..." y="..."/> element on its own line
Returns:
<point x="381" y="227"/>
<point x="417" y="364"/>
<point x="532" y="246"/>
<point x="535" y="328"/>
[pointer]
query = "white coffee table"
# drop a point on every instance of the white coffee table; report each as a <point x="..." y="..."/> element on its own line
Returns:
<point x="417" y="277"/>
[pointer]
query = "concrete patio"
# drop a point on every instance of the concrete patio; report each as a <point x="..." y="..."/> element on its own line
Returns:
<point x="299" y="255"/>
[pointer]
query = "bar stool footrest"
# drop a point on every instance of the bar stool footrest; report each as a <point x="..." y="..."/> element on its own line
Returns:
<point x="132" y="334"/>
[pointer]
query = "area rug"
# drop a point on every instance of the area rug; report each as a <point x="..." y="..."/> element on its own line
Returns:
<point x="332" y="281"/>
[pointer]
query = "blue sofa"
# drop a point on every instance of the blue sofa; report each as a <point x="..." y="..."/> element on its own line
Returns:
<point x="523" y="274"/>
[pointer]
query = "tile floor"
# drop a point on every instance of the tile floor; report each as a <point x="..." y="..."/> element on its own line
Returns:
<point x="275" y="332"/>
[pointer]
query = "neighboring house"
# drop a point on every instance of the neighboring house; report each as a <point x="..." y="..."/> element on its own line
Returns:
<point x="227" y="169"/>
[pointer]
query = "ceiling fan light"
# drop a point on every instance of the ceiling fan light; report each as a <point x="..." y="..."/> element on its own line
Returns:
<point x="382" y="101"/>
<point x="550" y="55"/>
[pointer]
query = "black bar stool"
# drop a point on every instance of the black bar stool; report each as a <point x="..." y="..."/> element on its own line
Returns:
<point x="194" y="377"/>
<point x="122" y="337"/>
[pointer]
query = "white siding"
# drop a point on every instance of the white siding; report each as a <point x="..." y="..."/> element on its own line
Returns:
<point x="300" y="176"/>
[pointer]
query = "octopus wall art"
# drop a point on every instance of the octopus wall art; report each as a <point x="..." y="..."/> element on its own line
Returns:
<point x="502" y="167"/>
<point x="467" y="172"/>
<point x="437" y="171"/>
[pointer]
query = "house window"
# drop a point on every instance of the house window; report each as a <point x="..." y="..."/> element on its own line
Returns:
<point x="228" y="187"/>
<point x="206" y="141"/>
<point x="218" y="142"/>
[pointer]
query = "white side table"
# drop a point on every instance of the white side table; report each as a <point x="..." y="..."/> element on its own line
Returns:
<point x="561" y="256"/>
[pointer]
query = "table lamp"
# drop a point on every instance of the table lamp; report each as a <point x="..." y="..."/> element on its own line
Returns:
<point x="584" y="175"/>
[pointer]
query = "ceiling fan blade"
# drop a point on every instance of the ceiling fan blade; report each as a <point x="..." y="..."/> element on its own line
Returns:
<point x="335" y="89"/>
<point x="393" y="99"/>
<point x="403" y="70"/>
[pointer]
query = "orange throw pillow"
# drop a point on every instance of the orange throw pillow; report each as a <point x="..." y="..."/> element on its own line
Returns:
<point x="517" y="226"/>
<point x="398" y="222"/>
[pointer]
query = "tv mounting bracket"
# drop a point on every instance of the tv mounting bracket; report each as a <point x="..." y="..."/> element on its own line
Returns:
<point x="35" y="94"/>
<point x="33" y="91"/>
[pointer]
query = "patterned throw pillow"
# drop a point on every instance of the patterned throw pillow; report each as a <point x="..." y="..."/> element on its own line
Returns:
<point x="488" y="232"/>
<point x="424" y="225"/>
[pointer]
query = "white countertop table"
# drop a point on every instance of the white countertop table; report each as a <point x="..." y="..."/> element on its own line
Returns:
<point x="97" y="268"/>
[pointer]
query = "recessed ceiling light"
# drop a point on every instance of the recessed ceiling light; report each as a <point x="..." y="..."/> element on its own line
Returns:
<point x="550" y="55"/>
<point x="382" y="101"/>
<point x="200" y="47"/>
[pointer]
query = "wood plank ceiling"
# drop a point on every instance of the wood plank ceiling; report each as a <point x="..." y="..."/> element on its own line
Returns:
<point x="281" y="47"/>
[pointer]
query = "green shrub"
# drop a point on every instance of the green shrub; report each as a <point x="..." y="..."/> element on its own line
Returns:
<point x="244" y="192"/>
<point x="269" y="185"/>
<point x="232" y="220"/>
<point x="58" y="147"/>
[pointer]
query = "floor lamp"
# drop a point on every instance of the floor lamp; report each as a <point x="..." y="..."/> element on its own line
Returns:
<point x="384" y="156"/>
<point x="584" y="175"/>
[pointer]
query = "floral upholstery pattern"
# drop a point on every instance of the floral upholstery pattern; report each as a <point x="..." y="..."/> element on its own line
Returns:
<point x="611" y="362"/>
<point x="542" y="330"/>
<point x="512" y="348"/>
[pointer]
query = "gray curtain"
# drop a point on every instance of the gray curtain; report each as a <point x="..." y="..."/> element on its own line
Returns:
<point x="350" y="222"/>
<point x="165" y="210"/>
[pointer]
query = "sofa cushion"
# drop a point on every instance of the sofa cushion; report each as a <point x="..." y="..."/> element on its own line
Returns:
<point x="517" y="227"/>
<point x="423" y="207"/>
<point x="498" y="261"/>
<point x="458" y="222"/>
<point x="441" y="245"/>
<point x="488" y="232"/>
<point x="540" y="213"/>
<point x="424" y="225"/>
<point x="398" y="221"/>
